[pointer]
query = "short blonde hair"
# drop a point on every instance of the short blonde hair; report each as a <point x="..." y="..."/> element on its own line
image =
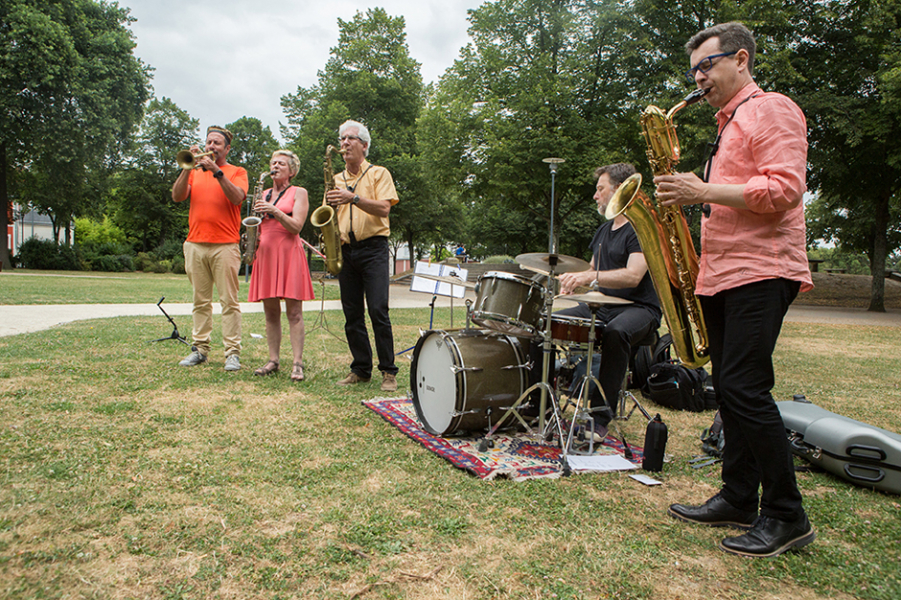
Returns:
<point x="293" y="161"/>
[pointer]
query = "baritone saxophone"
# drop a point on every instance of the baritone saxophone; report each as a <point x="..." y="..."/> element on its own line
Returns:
<point x="666" y="241"/>
<point x="325" y="218"/>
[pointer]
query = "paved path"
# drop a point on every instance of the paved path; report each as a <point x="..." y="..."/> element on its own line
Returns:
<point x="26" y="318"/>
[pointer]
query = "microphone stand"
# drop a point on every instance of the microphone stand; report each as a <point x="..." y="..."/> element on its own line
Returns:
<point x="174" y="335"/>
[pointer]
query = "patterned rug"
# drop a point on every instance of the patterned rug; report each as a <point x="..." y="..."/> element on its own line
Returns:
<point x="515" y="455"/>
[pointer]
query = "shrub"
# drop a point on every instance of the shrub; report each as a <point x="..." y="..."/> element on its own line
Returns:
<point x="499" y="259"/>
<point x="178" y="265"/>
<point x="47" y="254"/>
<point x="117" y="263"/>
<point x="91" y="233"/>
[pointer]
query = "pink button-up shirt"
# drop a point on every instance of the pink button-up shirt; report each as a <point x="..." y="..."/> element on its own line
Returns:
<point x="765" y="148"/>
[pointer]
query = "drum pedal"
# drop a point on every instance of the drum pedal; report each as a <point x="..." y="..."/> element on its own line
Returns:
<point x="485" y="444"/>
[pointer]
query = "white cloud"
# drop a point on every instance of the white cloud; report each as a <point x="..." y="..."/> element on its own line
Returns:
<point x="232" y="58"/>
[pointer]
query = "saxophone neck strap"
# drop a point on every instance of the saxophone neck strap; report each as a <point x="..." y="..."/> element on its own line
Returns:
<point x="715" y="145"/>
<point x="353" y="190"/>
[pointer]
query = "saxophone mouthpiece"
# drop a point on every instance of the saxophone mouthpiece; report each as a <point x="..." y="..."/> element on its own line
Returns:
<point x="696" y="95"/>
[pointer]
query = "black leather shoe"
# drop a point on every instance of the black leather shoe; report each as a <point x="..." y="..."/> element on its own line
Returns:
<point x="716" y="512"/>
<point x="771" y="537"/>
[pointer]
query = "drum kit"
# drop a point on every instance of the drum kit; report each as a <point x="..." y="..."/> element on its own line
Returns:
<point x="477" y="379"/>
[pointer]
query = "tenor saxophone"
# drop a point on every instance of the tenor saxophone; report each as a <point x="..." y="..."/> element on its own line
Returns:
<point x="665" y="239"/>
<point x="326" y="219"/>
<point x="250" y="239"/>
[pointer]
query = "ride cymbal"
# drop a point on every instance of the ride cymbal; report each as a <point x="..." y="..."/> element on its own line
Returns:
<point x="541" y="262"/>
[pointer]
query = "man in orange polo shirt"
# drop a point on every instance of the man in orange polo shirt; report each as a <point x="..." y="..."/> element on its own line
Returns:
<point x="212" y="254"/>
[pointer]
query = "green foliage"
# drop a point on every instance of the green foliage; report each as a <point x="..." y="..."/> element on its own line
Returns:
<point x="252" y="146"/>
<point x="140" y="199"/>
<point x="370" y="78"/>
<point x="71" y="89"/>
<point x="35" y="253"/>
<point x="89" y="232"/>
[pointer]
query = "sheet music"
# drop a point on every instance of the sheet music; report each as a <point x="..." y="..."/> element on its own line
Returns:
<point x="430" y="286"/>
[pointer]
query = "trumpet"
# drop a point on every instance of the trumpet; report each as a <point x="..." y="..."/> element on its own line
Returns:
<point x="188" y="160"/>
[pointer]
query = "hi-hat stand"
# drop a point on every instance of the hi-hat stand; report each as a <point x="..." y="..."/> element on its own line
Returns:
<point x="174" y="335"/>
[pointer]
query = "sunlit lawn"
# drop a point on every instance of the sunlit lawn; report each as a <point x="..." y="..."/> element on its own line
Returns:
<point x="126" y="476"/>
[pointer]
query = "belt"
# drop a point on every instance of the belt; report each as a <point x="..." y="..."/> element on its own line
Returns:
<point x="370" y="241"/>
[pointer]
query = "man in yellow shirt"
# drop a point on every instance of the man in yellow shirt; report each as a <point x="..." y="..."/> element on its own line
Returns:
<point x="363" y="199"/>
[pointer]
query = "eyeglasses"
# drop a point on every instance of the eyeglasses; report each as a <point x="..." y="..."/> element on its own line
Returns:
<point x="344" y="138"/>
<point x="705" y="64"/>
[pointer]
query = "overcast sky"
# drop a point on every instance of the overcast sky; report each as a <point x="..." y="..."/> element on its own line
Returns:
<point x="227" y="59"/>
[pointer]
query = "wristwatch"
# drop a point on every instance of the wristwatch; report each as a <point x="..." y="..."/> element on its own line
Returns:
<point x="218" y="174"/>
<point x="356" y="199"/>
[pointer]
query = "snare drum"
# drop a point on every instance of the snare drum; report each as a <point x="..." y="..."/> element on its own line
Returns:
<point x="508" y="303"/>
<point x="572" y="330"/>
<point x="465" y="380"/>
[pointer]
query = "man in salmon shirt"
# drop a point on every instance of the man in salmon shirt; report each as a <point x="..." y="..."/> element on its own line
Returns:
<point x="212" y="256"/>
<point x="753" y="264"/>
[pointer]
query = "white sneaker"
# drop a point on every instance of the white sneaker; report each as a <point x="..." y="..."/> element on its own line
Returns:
<point x="232" y="362"/>
<point x="193" y="359"/>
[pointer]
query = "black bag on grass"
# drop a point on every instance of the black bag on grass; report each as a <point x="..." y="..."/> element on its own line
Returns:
<point x="645" y="358"/>
<point x="675" y="386"/>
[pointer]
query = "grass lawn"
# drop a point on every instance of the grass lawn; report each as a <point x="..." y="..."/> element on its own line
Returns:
<point x="126" y="476"/>
<point x="24" y="286"/>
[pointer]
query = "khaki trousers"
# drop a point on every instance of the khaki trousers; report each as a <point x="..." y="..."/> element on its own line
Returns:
<point x="208" y="265"/>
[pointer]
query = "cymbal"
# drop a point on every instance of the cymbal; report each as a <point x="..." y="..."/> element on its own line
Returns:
<point x="541" y="262"/>
<point x="446" y="279"/>
<point x="593" y="298"/>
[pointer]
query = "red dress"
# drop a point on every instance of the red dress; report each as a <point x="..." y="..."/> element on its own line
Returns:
<point x="280" y="269"/>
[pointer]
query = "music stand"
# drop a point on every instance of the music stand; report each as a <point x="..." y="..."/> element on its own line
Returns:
<point x="174" y="335"/>
<point x="440" y="280"/>
<point x="321" y="322"/>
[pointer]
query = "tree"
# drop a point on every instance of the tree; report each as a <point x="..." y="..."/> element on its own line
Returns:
<point x="71" y="89"/>
<point x="539" y="79"/>
<point x="140" y="198"/>
<point x="850" y="93"/>
<point x="370" y="78"/>
<point x="252" y="146"/>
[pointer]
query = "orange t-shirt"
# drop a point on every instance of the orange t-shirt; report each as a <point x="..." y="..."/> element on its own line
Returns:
<point x="212" y="219"/>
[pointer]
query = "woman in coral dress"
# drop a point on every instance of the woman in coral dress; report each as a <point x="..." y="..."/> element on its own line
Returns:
<point x="280" y="269"/>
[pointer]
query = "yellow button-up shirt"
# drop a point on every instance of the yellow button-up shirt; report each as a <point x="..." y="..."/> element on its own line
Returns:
<point x="373" y="183"/>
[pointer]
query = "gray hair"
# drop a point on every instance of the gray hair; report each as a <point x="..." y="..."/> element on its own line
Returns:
<point x="617" y="172"/>
<point x="293" y="161"/>
<point x="733" y="36"/>
<point x="362" y="132"/>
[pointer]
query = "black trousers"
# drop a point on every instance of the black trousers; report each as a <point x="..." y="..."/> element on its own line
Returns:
<point x="743" y="324"/>
<point x="364" y="276"/>
<point x="620" y="327"/>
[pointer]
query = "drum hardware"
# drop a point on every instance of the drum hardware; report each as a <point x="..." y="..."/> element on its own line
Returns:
<point x="421" y="332"/>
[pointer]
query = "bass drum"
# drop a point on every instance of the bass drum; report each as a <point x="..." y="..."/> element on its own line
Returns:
<point x="465" y="380"/>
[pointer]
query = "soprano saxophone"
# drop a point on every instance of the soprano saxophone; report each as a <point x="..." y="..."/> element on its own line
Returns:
<point x="250" y="239"/>
<point x="665" y="239"/>
<point x="326" y="219"/>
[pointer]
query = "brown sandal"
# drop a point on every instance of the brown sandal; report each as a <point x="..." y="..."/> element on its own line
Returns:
<point x="297" y="372"/>
<point x="267" y="369"/>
